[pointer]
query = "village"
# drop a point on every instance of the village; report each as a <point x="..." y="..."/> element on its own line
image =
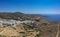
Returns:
<point x="12" y="22"/>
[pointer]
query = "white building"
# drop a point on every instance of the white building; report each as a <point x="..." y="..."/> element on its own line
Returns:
<point x="8" y="22"/>
<point x="13" y="22"/>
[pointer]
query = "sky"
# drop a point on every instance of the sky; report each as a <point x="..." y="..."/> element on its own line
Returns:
<point x="31" y="6"/>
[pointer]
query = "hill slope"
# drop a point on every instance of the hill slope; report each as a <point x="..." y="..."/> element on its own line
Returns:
<point x="17" y="15"/>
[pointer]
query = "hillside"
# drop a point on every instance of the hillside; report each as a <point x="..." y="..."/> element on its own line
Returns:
<point x="40" y="28"/>
<point x="17" y="15"/>
<point x="25" y="30"/>
<point x="18" y="31"/>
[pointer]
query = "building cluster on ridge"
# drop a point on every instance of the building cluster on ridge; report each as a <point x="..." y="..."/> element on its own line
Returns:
<point x="13" y="22"/>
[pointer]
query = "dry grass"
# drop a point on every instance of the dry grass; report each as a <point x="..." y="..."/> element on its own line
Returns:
<point x="8" y="31"/>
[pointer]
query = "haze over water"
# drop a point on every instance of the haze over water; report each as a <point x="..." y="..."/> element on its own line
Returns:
<point x="53" y="17"/>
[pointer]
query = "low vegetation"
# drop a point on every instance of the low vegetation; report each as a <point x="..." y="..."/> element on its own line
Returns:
<point x="40" y="28"/>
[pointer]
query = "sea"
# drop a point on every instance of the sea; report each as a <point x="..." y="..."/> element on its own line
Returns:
<point x="52" y="17"/>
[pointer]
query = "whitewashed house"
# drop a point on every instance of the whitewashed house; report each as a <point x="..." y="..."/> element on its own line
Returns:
<point x="1" y="22"/>
<point x="27" y="21"/>
<point x="13" y="22"/>
<point x="8" y="22"/>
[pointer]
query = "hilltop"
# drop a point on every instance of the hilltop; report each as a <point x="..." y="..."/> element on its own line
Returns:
<point x="17" y="15"/>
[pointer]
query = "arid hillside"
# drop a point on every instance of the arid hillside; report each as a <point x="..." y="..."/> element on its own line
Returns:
<point x="17" y="15"/>
<point x="39" y="28"/>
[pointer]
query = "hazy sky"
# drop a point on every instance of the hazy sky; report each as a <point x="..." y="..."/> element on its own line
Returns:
<point x="31" y="6"/>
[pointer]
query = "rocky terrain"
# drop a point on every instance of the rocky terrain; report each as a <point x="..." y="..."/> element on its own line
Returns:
<point x="40" y="28"/>
<point x="17" y="15"/>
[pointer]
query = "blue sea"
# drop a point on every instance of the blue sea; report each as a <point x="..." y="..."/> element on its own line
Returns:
<point x="53" y="17"/>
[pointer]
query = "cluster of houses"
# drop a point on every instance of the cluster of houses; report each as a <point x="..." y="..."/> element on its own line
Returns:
<point x="13" y="22"/>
